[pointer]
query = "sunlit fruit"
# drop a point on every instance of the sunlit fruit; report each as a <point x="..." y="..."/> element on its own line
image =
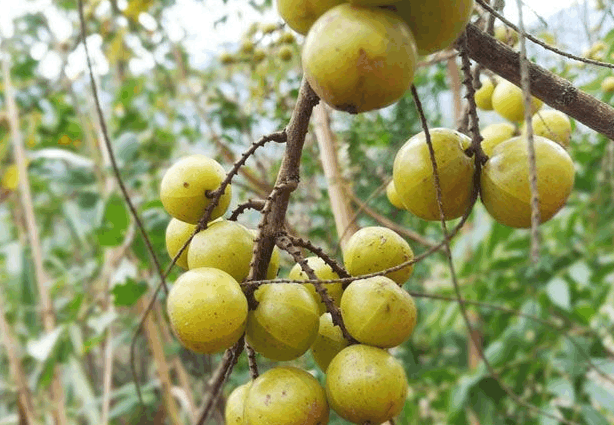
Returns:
<point x="185" y="185"/>
<point x="234" y="411"/>
<point x="366" y="384"/>
<point x="373" y="249"/>
<point x="373" y="3"/>
<point x="414" y="179"/>
<point x="285" y="53"/>
<point x="286" y="396"/>
<point x="301" y="14"/>
<point x="376" y="311"/>
<point x="506" y="35"/>
<point x="207" y="310"/>
<point x="328" y="343"/>
<point x="607" y="84"/>
<point x="225" y="245"/>
<point x="177" y="234"/>
<point x="287" y="38"/>
<point x="285" y="323"/>
<point x="553" y="125"/>
<point x="358" y="59"/>
<point x="393" y="196"/>
<point x="505" y="186"/>
<point x="435" y="24"/>
<point x="483" y="95"/>
<point x="494" y="134"/>
<point x="508" y="101"/>
<point x="323" y="272"/>
<point x="273" y="268"/>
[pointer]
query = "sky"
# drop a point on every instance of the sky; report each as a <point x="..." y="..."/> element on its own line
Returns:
<point x="190" y="20"/>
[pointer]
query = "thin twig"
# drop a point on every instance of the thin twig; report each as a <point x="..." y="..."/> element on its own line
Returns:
<point x="251" y="360"/>
<point x="254" y="204"/>
<point x="303" y="243"/>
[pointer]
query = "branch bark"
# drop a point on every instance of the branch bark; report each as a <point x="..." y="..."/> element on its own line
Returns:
<point x="340" y="204"/>
<point x="550" y="88"/>
<point x="47" y="313"/>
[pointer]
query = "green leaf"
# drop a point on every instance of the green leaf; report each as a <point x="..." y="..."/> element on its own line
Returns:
<point x="558" y="292"/>
<point x="562" y="388"/>
<point x="592" y="416"/>
<point x="601" y="395"/>
<point x="115" y="221"/>
<point x="128" y="293"/>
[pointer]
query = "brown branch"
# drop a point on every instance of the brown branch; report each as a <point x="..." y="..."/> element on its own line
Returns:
<point x="251" y="360"/>
<point x="303" y="243"/>
<point x="254" y="204"/>
<point x="550" y="88"/>
<point x="48" y="315"/>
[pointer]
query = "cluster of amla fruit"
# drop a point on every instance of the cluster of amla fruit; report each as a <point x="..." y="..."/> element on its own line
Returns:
<point x="361" y="55"/>
<point x="504" y="180"/>
<point x="208" y="310"/>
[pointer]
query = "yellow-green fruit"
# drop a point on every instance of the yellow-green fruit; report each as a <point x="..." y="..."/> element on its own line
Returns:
<point x="508" y="101"/>
<point x="247" y="47"/>
<point x="286" y="396"/>
<point x="494" y="134"/>
<point x="376" y="311"/>
<point x="259" y="55"/>
<point x="269" y="28"/>
<point x="185" y="185"/>
<point x="506" y="35"/>
<point x="483" y="95"/>
<point x="177" y="234"/>
<point x="435" y="24"/>
<point x="358" y="59"/>
<point x="225" y="245"/>
<point x="301" y="14"/>
<point x="285" y="53"/>
<point x="328" y="343"/>
<point x="233" y="413"/>
<point x="287" y="38"/>
<point x="227" y="58"/>
<point x="414" y="180"/>
<point x="373" y="249"/>
<point x="505" y="186"/>
<point x="366" y="384"/>
<point x="553" y="125"/>
<point x="285" y="323"/>
<point x="373" y="3"/>
<point x="323" y="272"/>
<point x="607" y="84"/>
<point x="393" y="196"/>
<point x="273" y="268"/>
<point x="207" y="310"/>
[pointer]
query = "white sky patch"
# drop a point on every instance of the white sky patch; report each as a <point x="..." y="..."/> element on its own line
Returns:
<point x="532" y="9"/>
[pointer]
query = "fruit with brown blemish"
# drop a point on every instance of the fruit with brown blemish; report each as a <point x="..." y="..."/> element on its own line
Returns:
<point x="286" y="396"/>
<point x="376" y="311"/>
<point x="373" y="249"/>
<point x="366" y="384"/>
<point x="358" y="59"/>
<point x="186" y="185"/>
<point x="323" y="272"/>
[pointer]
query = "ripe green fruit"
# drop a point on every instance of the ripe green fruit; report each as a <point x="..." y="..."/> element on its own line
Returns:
<point x="273" y="268"/>
<point x="365" y="383"/>
<point x="376" y="311"/>
<point x="207" y="310"/>
<point x="227" y="58"/>
<point x="234" y="411"/>
<point x="259" y="55"/>
<point x="285" y="323"/>
<point x="607" y="84"/>
<point x="287" y="38"/>
<point x="507" y="100"/>
<point x="323" y="272"/>
<point x="185" y="185"/>
<point x="177" y="234"/>
<point x="553" y="125"/>
<point x="285" y="53"/>
<point x="435" y="24"/>
<point x="373" y="3"/>
<point x="328" y="343"/>
<point x="483" y="95"/>
<point x="301" y="14"/>
<point x="224" y="245"/>
<point x="358" y="59"/>
<point x="393" y="196"/>
<point x="414" y="180"/>
<point x="494" y="134"/>
<point x="269" y="28"/>
<point x="286" y="396"/>
<point x="505" y="181"/>
<point x="373" y="249"/>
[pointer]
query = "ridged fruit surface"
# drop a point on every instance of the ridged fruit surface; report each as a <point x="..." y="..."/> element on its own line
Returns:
<point x="324" y="272"/>
<point x="285" y="323"/>
<point x="358" y="59"/>
<point x="507" y="101"/>
<point x="376" y="248"/>
<point x="177" y="234"/>
<point x="234" y="411"/>
<point x="415" y="182"/>
<point x="328" y="343"/>
<point x="494" y="134"/>
<point x="365" y="383"/>
<point x="553" y="125"/>
<point x="505" y="189"/>
<point x="207" y="310"/>
<point x="185" y="184"/>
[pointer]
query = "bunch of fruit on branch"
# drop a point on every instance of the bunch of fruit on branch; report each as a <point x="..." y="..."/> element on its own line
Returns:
<point x="347" y="325"/>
